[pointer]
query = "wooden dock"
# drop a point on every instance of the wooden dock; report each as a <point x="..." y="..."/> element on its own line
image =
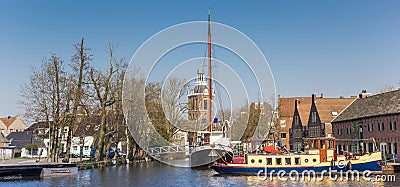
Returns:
<point x="11" y="171"/>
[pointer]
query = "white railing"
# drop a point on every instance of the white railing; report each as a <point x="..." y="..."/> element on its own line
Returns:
<point x="165" y="150"/>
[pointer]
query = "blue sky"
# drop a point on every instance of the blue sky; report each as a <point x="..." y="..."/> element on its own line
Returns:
<point x="334" y="47"/>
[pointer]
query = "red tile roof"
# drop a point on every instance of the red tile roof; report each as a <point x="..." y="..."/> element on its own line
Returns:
<point x="325" y="107"/>
<point x="286" y="109"/>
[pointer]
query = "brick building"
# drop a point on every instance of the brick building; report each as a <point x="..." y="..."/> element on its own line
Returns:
<point x="286" y="106"/>
<point x="308" y="117"/>
<point x="370" y="117"/>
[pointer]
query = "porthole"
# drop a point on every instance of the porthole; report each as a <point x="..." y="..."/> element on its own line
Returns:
<point x="252" y="160"/>
<point x="259" y="161"/>
<point x="306" y="160"/>
<point x="314" y="160"/>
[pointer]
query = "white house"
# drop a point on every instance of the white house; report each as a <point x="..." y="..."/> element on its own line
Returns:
<point x="76" y="146"/>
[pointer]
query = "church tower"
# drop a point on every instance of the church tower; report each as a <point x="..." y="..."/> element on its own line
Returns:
<point x="198" y="100"/>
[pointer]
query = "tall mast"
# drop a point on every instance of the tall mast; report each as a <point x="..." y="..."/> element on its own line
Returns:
<point x="209" y="74"/>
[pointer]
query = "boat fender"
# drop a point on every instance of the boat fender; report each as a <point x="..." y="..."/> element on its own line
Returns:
<point x="332" y="164"/>
<point x="349" y="166"/>
<point x="378" y="163"/>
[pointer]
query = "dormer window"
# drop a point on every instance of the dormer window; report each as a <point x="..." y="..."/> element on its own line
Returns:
<point x="314" y="117"/>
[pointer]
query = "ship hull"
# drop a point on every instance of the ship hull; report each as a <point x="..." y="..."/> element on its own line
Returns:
<point x="242" y="169"/>
<point x="246" y="170"/>
<point x="206" y="155"/>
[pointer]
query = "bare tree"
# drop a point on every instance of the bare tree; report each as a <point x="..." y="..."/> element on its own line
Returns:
<point x="107" y="86"/>
<point x="80" y="63"/>
<point x="172" y="92"/>
<point x="43" y="96"/>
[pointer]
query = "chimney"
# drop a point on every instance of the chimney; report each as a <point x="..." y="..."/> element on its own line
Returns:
<point x="364" y="94"/>
<point x="322" y="95"/>
<point x="296" y="103"/>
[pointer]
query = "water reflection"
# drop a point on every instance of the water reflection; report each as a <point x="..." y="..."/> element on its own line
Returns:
<point x="158" y="174"/>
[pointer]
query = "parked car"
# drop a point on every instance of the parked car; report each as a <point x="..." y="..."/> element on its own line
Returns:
<point x="74" y="155"/>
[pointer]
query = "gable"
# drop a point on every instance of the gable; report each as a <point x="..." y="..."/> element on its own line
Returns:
<point x="286" y="108"/>
<point x="8" y="120"/>
<point x="17" y="124"/>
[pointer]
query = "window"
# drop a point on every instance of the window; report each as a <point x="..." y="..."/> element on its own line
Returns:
<point x="255" y="105"/>
<point x="205" y="104"/>
<point x="288" y="161"/>
<point x="339" y="131"/>
<point x="331" y="144"/>
<point x="259" y="161"/>
<point x="394" y="148"/>
<point x="297" y="161"/>
<point x="381" y="127"/>
<point x="278" y="161"/>
<point x="348" y="130"/>
<point x="86" y="147"/>
<point x="252" y="160"/>
<point x="370" y="127"/>
<point x="261" y="105"/>
<point x="283" y="134"/>
<point x="75" y="148"/>
<point x="322" y="144"/>
<point x="269" y="161"/>
<point x="314" y="117"/>
<point x="296" y="120"/>
<point x="393" y="126"/>
<point x="283" y="123"/>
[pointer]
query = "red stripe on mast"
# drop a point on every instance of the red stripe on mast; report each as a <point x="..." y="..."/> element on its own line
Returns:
<point x="209" y="73"/>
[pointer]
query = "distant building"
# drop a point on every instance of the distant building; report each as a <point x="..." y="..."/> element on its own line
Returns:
<point x="198" y="106"/>
<point x="21" y="139"/>
<point x="370" y="117"/>
<point x="310" y="118"/>
<point x="11" y="124"/>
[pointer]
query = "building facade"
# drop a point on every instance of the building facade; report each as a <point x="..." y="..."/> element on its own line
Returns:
<point x="370" y="124"/>
<point x="310" y="118"/>
<point x="286" y="106"/>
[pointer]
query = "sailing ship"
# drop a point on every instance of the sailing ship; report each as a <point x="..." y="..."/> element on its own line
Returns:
<point x="210" y="143"/>
<point x="320" y="158"/>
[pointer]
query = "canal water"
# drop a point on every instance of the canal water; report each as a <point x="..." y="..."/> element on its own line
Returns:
<point x="158" y="174"/>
